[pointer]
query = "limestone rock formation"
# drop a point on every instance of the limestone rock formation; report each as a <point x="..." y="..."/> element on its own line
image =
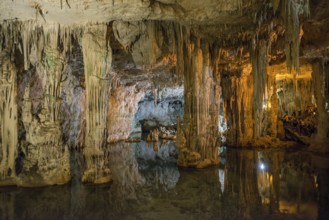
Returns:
<point x="97" y="57"/>
<point x="8" y="118"/>
<point x="198" y="135"/>
<point x="44" y="149"/>
<point x="82" y="74"/>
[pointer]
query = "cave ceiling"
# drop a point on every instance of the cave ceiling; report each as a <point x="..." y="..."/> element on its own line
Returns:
<point x="231" y="24"/>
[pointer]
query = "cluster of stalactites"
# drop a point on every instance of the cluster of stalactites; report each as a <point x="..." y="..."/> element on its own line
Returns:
<point x="290" y="11"/>
<point x="182" y="37"/>
<point x="31" y="39"/>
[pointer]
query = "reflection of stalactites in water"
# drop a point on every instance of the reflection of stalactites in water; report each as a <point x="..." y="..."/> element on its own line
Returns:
<point x="165" y="151"/>
<point x="241" y="192"/>
<point x="160" y="177"/>
<point x="125" y="174"/>
<point x="221" y="174"/>
<point x="7" y="206"/>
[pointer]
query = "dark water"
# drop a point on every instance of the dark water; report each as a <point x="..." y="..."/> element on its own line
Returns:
<point x="148" y="185"/>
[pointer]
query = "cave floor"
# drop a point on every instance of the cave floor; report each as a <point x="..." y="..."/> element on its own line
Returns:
<point x="147" y="184"/>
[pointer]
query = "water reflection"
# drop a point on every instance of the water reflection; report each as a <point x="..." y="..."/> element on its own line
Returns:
<point x="148" y="185"/>
<point x="241" y="198"/>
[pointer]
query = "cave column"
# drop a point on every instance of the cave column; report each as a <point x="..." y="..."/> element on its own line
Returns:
<point x="197" y="138"/>
<point x="273" y="106"/>
<point x="321" y="137"/>
<point x="237" y="106"/>
<point x="43" y="148"/>
<point x="97" y="58"/>
<point x="259" y="69"/>
<point x="8" y="117"/>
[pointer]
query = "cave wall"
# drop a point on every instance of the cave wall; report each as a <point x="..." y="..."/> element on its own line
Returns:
<point x="123" y="103"/>
<point x="160" y="108"/>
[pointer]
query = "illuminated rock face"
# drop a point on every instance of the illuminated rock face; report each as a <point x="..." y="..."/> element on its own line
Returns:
<point x="215" y="50"/>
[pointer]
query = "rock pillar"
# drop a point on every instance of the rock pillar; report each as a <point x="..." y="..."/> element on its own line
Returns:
<point x="97" y="58"/>
<point x="197" y="137"/>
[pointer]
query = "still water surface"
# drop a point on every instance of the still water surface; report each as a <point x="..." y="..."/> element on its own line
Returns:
<point x="248" y="184"/>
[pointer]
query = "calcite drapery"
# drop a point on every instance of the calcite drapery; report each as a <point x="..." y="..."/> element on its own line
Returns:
<point x="197" y="137"/>
<point x="97" y="57"/>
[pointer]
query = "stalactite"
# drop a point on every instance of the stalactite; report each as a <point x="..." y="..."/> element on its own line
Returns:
<point x="97" y="57"/>
<point x="290" y="11"/>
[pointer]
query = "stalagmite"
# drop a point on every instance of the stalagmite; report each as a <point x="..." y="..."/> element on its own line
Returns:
<point x="97" y="57"/>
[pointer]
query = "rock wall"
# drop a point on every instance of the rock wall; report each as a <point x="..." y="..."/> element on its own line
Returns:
<point x="123" y="107"/>
<point x="160" y="108"/>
